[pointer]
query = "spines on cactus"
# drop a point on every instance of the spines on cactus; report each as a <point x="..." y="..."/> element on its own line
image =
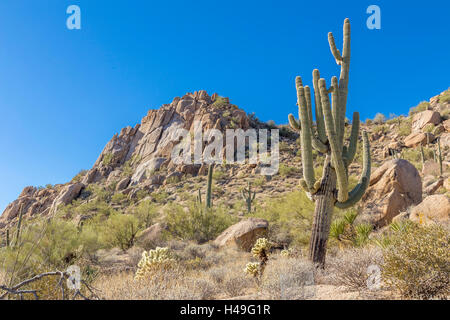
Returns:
<point x="328" y="138"/>
<point x="248" y="197"/>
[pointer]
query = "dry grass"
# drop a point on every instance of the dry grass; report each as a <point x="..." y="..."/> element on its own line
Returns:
<point x="215" y="275"/>
<point x="349" y="267"/>
<point x="289" y="279"/>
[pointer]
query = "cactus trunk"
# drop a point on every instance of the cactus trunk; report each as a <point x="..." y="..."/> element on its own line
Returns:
<point x="322" y="217"/>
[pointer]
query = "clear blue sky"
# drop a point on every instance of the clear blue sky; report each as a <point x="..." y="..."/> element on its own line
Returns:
<point x="64" y="93"/>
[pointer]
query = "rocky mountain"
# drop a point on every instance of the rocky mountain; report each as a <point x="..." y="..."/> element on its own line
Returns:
<point x="138" y="160"/>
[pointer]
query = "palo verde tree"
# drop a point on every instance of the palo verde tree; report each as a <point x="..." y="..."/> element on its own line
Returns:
<point x="327" y="136"/>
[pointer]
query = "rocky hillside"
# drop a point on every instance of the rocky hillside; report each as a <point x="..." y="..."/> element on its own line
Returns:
<point x="136" y="164"/>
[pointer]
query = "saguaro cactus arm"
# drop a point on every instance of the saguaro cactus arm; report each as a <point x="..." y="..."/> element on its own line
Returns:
<point x="357" y="193"/>
<point x="307" y="159"/>
<point x="336" y="152"/>
<point x="321" y="132"/>
<point x="351" y="151"/>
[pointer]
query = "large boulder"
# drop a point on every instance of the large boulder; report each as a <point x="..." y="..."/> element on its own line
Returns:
<point x="67" y="195"/>
<point x="243" y="234"/>
<point x="151" y="236"/>
<point x="146" y="169"/>
<point x="446" y="125"/>
<point x="418" y="138"/>
<point x="394" y="187"/>
<point x="433" y="209"/>
<point x="421" y="119"/>
<point x="123" y="184"/>
<point x="432" y="188"/>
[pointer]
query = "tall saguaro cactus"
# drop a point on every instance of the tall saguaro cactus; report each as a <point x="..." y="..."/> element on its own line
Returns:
<point x="328" y="138"/>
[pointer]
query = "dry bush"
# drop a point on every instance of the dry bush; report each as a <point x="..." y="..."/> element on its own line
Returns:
<point x="289" y="279"/>
<point x="417" y="262"/>
<point x="349" y="268"/>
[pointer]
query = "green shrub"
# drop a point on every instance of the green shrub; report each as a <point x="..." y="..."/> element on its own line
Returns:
<point x="287" y="171"/>
<point x="445" y="97"/>
<point x="424" y="105"/>
<point x="290" y="218"/>
<point x="118" y="198"/>
<point x="121" y="230"/>
<point x="417" y="261"/>
<point x="197" y="223"/>
<point x="107" y="159"/>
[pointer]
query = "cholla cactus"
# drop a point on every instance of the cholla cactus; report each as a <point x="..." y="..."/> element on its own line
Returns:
<point x="328" y="138"/>
<point x="261" y="248"/>
<point x="252" y="268"/>
<point x="154" y="259"/>
<point x="260" y="251"/>
<point x="286" y="253"/>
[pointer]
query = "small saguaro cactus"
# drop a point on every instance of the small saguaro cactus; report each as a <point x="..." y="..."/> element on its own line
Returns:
<point x="439" y="157"/>
<point x="7" y="238"/>
<point x="422" y="155"/>
<point x="248" y="197"/>
<point x="328" y="138"/>
<point x="208" y="189"/>
<point x="19" y="226"/>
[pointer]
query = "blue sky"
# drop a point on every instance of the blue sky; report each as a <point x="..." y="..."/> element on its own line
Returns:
<point x="64" y="93"/>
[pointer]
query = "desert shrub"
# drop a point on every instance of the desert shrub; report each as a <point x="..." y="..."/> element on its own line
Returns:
<point x="197" y="223"/>
<point x="417" y="261"/>
<point x="45" y="245"/>
<point x="290" y="218"/>
<point x="369" y="121"/>
<point x="219" y="175"/>
<point x="379" y="118"/>
<point x="404" y="128"/>
<point x="234" y="286"/>
<point x="424" y="105"/>
<point x="289" y="279"/>
<point x="350" y="267"/>
<point x="121" y="230"/>
<point x="80" y="175"/>
<point x="428" y="128"/>
<point x="220" y="102"/>
<point x="146" y="213"/>
<point x="380" y="129"/>
<point x="287" y="171"/>
<point x="445" y="97"/>
<point x="118" y="198"/>
<point x="107" y="159"/>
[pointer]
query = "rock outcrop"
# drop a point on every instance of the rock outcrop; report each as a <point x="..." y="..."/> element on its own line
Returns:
<point x="243" y="234"/>
<point x="394" y="187"/>
<point x="420" y="120"/>
<point x="433" y="209"/>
